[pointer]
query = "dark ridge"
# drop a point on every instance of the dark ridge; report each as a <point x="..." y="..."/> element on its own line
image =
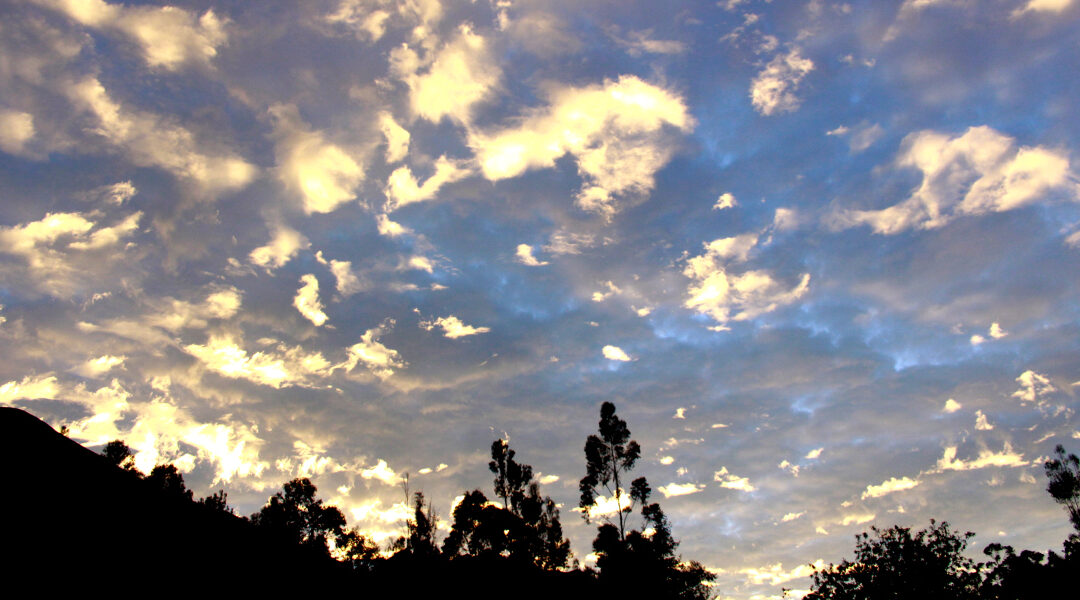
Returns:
<point x="72" y="520"/>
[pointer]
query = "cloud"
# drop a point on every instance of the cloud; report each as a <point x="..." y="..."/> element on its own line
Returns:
<point x="641" y="42"/>
<point x="680" y="489"/>
<point x="997" y="332"/>
<point x="951" y="406"/>
<point x="31" y="387"/>
<point x="680" y="413"/>
<point x="563" y="242"/>
<point x="615" y="353"/>
<point x="152" y="141"/>
<point x="168" y="36"/>
<point x="726" y="200"/>
<point x="814" y="454"/>
<point x="604" y="505"/>
<point x="96" y="367"/>
<point x="525" y="256"/>
<point x="1033" y="387"/>
<point x="789" y="467"/>
<point x="978" y="172"/>
<point x="389" y="228"/>
<point x="725" y="295"/>
<point x="888" y="487"/>
<point x="382" y="472"/>
<point x="773" y="90"/>
<point x="347" y="282"/>
<point x="63" y="251"/>
<point x="397" y="138"/>
<point x="460" y="75"/>
<point x="278" y="367"/>
<point x="776" y="575"/>
<point x="1042" y="6"/>
<point x="323" y="174"/>
<point x="402" y="187"/>
<point x="732" y="481"/>
<point x="16" y="129"/>
<point x="792" y="516"/>
<point x="377" y="358"/>
<point x="284" y="244"/>
<point x="857" y="519"/>
<point x="614" y="132"/>
<point x="307" y="301"/>
<point x="452" y="327"/>
<point x="981" y="422"/>
<point x="986" y="458"/>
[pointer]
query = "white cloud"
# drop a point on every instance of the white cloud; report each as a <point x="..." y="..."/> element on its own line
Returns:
<point x="680" y="489"/>
<point x="857" y="519"/>
<point x="1042" y="6"/>
<point x="981" y="422"/>
<point x="452" y="327"/>
<point x="951" y="406"/>
<point x="96" y="367"/>
<point x="16" y="128"/>
<point x="615" y="353"/>
<point x="667" y="460"/>
<point x="997" y="332"/>
<point x="548" y="479"/>
<point x="402" y="188"/>
<point x="889" y="486"/>
<point x="323" y="174"/>
<point x="776" y="575"/>
<point x="614" y="131"/>
<point x="389" y="228"/>
<point x="153" y="141"/>
<point x="382" y="472"/>
<point x="420" y="263"/>
<point x="168" y="36"/>
<point x="978" y="172"/>
<point x="63" y="249"/>
<point x="608" y="506"/>
<point x="773" y="90"/>
<point x="719" y="292"/>
<point x="397" y="138"/>
<point x="792" y="516"/>
<point x="30" y="387"/>
<point x="986" y="458"/>
<point x="726" y="200"/>
<point x="680" y="413"/>
<point x="732" y="481"/>
<point x="641" y="42"/>
<point x="814" y="454"/>
<point x="460" y="75"/>
<point x="1033" y="387"/>
<point x="525" y="256"/>
<point x="278" y="367"/>
<point x="284" y="244"/>
<point x="378" y="359"/>
<point x="977" y="339"/>
<point x="789" y="467"/>
<point x="307" y="300"/>
<point x="347" y="282"/>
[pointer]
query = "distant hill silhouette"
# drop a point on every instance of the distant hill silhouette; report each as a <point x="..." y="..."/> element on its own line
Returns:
<point x="73" y="521"/>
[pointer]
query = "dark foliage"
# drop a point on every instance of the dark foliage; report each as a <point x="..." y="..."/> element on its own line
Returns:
<point x="118" y="453"/>
<point x="1064" y="485"/>
<point x="297" y="515"/>
<point x="894" y="563"/>
<point x="607" y="457"/>
<point x="170" y="481"/>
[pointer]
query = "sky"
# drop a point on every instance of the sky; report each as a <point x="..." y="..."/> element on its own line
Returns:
<point x="823" y="256"/>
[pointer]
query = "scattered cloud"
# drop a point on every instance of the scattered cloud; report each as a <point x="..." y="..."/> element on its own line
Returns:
<point x="452" y="327"/>
<point x="726" y="200"/>
<point x="525" y="256"/>
<point x="773" y="89"/>
<point x="986" y="458"/>
<point x="321" y="173"/>
<point x="680" y="489"/>
<point x="615" y="353"/>
<point x="307" y="301"/>
<point x="889" y="486"/>
<point x="732" y="481"/>
<point x="951" y="406"/>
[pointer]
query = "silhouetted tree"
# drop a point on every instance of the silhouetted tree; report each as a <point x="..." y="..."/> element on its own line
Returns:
<point x="511" y="478"/>
<point x="421" y="540"/>
<point x="169" y="480"/>
<point x="300" y="516"/>
<point x="545" y="544"/>
<point x="1064" y="486"/>
<point x="118" y="453"/>
<point x="607" y="457"/>
<point x="640" y="563"/>
<point x="929" y="565"/>
<point x="356" y="550"/>
<point x="217" y="501"/>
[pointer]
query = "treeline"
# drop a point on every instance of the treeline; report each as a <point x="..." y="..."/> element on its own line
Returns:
<point x="516" y="543"/>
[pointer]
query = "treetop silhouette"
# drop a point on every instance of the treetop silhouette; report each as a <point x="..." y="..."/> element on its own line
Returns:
<point x="607" y="457"/>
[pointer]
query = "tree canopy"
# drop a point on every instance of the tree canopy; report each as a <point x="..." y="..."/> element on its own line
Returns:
<point x="1064" y="485"/>
<point x="607" y="457"/>
<point x="299" y="515"/>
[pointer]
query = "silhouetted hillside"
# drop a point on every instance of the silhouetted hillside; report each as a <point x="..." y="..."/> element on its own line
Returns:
<point x="71" y="519"/>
